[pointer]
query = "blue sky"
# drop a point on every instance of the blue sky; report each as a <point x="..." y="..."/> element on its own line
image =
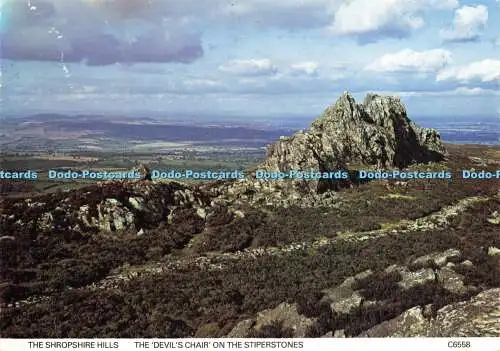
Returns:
<point x="248" y="57"/>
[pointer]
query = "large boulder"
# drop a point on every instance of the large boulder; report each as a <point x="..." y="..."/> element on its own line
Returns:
<point x="285" y="313"/>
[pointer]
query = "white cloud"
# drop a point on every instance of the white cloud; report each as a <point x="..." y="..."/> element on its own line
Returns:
<point x="485" y="71"/>
<point x="467" y="24"/>
<point x="253" y="67"/>
<point x="308" y="67"/>
<point x="410" y="60"/>
<point x="396" y="17"/>
<point x="460" y="91"/>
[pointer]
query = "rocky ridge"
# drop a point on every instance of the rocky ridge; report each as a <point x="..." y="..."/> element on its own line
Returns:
<point x="108" y="207"/>
<point x="376" y="133"/>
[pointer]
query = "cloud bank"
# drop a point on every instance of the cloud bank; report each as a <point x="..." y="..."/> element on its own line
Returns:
<point x="468" y="24"/>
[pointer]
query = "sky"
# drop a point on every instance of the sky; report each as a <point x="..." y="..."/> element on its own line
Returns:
<point x="248" y="58"/>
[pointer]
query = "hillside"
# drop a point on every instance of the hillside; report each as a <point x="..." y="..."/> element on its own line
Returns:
<point x="265" y="258"/>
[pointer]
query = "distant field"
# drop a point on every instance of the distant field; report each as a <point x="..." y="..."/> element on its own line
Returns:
<point x="66" y="158"/>
<point x="77" y="135"/>
<point x="112" y="162"/>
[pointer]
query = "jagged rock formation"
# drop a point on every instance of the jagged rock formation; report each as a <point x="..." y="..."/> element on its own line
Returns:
<point x="377" y="132"/>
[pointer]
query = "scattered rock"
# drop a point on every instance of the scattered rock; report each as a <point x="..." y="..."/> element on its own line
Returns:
<point x="411" y="279"/>
<point x="344" y="298"/>
<point x="493" y="251"/>
<point x="201" y="213"/>
<point x="339" y="334"/>
<point x="438" y="258"/>
<point x="137" y="203"/>
<point x="46" y="221"/>
<point x="495" y="218"/>
<point x="410" y="323"/>
<point x="451" y="280"/>
<point x="112" y="206"/>
<point x="288" y="314"/>
<point x="478" y="317"/>
<point x="239" y="214"/>
<point x="475" y="318"/>
<point x="242" y="329"/>
<point x="113" y="216"/>
<point x="467" y="263"/>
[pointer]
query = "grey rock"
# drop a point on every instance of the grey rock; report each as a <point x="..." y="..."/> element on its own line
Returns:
<point x="288" y="314"/>
<point x="285" y="312"/>
<point x="439" y="258"/>
<point x="339" y="334"/>
<point x="239" y="214"/>
<point x="493" y="251"/>
<point x="467" y="263"/>
<point x="201" y="213"/>
<point x="136" y="202"/>
<point x="409" y="323"/>
<point x="46" y="221"/>
<point x="411" y="279"/>
<point x="495" y="218"/>
<point x="148" y="204"/>
<point x="242" y="329"/>
<point x="344" y="298"/>
<point x="113" y="216"/>
<point x="451" y="280"/>
<point x="377" y="132"/>
<point x="84" y="216"/>
<point x="477" y="317"/>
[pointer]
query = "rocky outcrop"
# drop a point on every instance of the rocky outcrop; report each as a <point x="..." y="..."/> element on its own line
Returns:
<point x="477" y="317"/>
<point x="379" y="294"/>
<point x="284" y="313"/>
<point x="377" y="132"/>
<point x="108" y="207"/>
